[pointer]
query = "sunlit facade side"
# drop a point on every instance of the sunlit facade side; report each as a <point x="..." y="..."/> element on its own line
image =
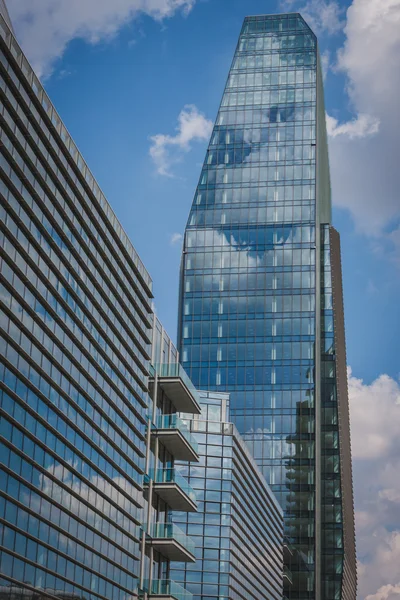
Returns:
<point x="238" y="529"/>
<point x="251" y="288"/>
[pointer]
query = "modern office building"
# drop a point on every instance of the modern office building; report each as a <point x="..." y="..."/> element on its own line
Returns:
<point x="89" y="382"/>
<point x="238" y="529"/>
<point x="261" y="312"/>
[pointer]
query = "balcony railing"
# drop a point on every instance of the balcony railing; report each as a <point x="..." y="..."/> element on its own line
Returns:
<point x="287" y="575"/>
<point x="168" y="589"/>
<point x="172" y="476"/>
<point x="170" y="532"/>
<point x="174" y="422"/>
<point x="184" y="397"/>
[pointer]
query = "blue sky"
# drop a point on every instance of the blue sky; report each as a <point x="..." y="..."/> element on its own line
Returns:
<point x="121" y="73"/>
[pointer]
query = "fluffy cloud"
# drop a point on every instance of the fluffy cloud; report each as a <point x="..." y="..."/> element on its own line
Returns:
<point x="323" y="16"/>
<point x="45" y="27"/>
<point x="359" y="127"/>
<point x="387" y="592"/>
<point x="167" y="150"/>
<point x="364" y="151"/>
<point x="375" y="426"/>
<point x="175" y="239"/>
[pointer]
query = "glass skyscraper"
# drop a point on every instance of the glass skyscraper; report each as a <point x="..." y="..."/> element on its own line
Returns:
<point x="261" y="312"/>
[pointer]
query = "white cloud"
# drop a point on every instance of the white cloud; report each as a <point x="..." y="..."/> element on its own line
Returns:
<point x="386" y="592"/>
<point x="167" y="150"/>
<point x="325" y="63"/>
<point x="45" y="27"/>
<point x="373" y="408"/>
<point x="175" y="239"/>
<point x="359" y="127"/>
<point x="364" y="151"/>
<point x="375" y="429"/>
<point x="323" y="16"/>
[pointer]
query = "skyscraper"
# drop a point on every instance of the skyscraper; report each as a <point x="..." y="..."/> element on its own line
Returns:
<point x="261" y="312"/>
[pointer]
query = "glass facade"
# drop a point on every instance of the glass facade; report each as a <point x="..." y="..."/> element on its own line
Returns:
<point x="238" y="528"/>
<point x="84" y="424"/>
<point x="252" y="283"/>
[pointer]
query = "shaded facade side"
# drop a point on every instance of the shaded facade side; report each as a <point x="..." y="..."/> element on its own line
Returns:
<point x="349" y="581"/>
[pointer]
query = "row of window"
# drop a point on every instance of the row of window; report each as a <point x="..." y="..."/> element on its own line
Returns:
<point x="246" y="351"/>
<point x="53" y="207"/>
<point x="281" y="197"/>
<point x="253" y="216"/>
<point x="95" y="222"/>
<point x="74" y="494"/>
<point x="261" y="304"/>
<point x="78" y="327"/>
<point x="276" y="134"/>
<point x="77" y="408"/>
<point x="248" y="116"/>
<point x="55" y="235"/>
<point x="273" y="24"/>
<point x="66" y="450"/>
<point x="59" y="255"/>
<point x="246" y="174"/>
<point x="75" y="517"/>
<point x="38" y="338"/>
<point x="271" y="99"/>
<point x="32" y="530"/>
<point x="92" y="588"/>
<point x="248" y="328"/>
<point x="284" y="58"/>
<point x="253" y="376"/>
<point x="294" y="281"/>
<point x="255" y="62"/>
<point x="257" y="153"/>
<point x="275" y="41"/>
<point x="251" y="237"/>
<point x="234" y="256"/>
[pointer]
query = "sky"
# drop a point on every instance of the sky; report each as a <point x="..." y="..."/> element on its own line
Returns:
<point x="138" y="84"/>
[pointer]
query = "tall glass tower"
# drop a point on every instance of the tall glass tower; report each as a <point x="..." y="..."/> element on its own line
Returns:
<point x="261" y="312"/>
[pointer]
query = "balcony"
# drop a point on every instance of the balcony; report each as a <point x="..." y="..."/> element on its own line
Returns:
<point x="171" y="542"/>
<point x="169" y="485"/>
<point x="165" y="589"/>
<point x="180" y="390"/>
<point x="287" y="551"/>
<point x="172" y="432"/>
<point x="287" y="577"/>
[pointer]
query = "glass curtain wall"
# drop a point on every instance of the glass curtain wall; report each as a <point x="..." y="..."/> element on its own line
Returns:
<point x="249" y="299"/>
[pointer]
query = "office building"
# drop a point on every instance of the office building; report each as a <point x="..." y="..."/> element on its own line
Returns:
<point x="238" y="529"/>
<point x="89" y="382"/>
<point x="261" y="312"/>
